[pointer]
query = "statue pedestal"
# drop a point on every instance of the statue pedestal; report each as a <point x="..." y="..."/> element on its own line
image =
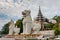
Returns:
<point x="24" y="36"/>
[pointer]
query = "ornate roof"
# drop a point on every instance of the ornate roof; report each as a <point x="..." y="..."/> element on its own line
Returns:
<point x="39" y="16"/>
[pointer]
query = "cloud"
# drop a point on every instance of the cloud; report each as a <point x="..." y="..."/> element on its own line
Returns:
<point x="16" y="8"/>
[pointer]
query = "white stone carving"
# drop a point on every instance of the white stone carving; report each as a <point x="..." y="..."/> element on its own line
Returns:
<point x="12" y="29"/>
<point x="27" y="22"/>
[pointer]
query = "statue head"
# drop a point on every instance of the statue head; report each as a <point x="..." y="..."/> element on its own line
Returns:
<point x="26" y="13"/>
<point x="11" y="22"/>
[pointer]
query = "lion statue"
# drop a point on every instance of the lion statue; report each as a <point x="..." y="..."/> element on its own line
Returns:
<point x="12" y="29"/>
<point x="30" y="27"/>
<point x="27" y="22"/>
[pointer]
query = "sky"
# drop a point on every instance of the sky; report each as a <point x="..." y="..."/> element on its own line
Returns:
<point x="12" y="9"/>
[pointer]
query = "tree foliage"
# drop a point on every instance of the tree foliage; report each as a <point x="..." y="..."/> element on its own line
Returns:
<point x="57" y="18"/>
<point x="57" y="31"/>
<point x="5" y="29"/>
<point x="19" y="24"/>
<point x="56" y="26"/>
<point x="49" y="26"/>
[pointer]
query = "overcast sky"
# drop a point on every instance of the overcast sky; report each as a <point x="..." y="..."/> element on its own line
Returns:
<point x="12" y="9"/>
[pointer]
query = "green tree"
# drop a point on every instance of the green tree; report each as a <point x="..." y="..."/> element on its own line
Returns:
<point x="49" y="26"/>
<point x="56" y="26"/>
<point x="5" y="29"/>
<point x="57" y="18"/>
<point x="20" y="25"/>
<point x="57" y="31"/>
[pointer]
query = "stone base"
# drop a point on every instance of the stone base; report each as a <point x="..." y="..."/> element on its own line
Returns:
<point x="26" y="36"/>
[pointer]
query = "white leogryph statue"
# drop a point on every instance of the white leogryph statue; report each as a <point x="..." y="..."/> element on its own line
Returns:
<point x="27" y="22"/>
<point x="11" y="27"/>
